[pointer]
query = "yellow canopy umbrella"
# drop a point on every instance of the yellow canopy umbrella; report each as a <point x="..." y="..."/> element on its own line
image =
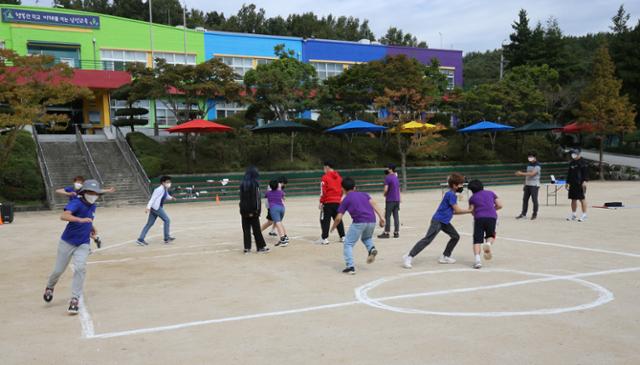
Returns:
<point x="412" y="127"/>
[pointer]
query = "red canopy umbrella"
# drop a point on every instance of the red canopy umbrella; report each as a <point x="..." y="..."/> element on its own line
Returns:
<point x="199" y="126"/>
<point x="577" y="127"/>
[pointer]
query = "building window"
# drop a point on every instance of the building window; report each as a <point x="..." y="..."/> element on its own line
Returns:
<point x="164" y="114"/>
<point x="240" y="65"/>
<point x="226" y="109"/>
<point x="117" y="60"/>
<point x="263" y="61"/>
<point x="122" y="104"/>
<point x="176" y="58"/>
<point x="328" y="69"/>
<point x="451" y="78"/>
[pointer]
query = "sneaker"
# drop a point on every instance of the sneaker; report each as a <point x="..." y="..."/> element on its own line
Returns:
<point x="372" y="255"/>
<point x="142" y="242"/>
<point x="169" y="240"/>
<point x="582" y="218"/>
<point x="396" y="234"/>
<point x="48" y="294"/>
<point x="264" y="250"/>
<point x="284" y="241"/>
<point x="477" y="265"/>
<point x="534" y="216"/>
<point x="322" y="241"/>
<point x="522" y="216"/>
<point x="73" y="306"/>
<point x="446" y="260"/>
<point x="272" y="233"/>
<point x="342" y="239"/>
<point x="486" y="248"/>
<point x="247" y="251"/>
<point x="384" y="235"/>
<point x="571" y="217"/>
<point x="349" y="270"/>
<point x="406" y="261"/>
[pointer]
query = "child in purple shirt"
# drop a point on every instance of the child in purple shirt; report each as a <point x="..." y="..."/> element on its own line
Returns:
<point x="363" y="212"/>
<point x="485" y="204"/>
<point x="392" y="202"/>
<point x="275" y="202"/>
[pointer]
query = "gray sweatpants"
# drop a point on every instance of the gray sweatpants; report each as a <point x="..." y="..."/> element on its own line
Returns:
<point x="66" y="252"/>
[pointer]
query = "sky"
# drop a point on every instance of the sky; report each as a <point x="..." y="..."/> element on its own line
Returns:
<point x="465" y="25"/>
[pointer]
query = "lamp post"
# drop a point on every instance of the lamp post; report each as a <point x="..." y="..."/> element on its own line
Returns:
<point x="184" y="29"/>
<point x="151" y="31"/>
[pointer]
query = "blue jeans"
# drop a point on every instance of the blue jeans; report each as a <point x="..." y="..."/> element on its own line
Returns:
<point x="363" y="231"/>
<point x="153" y="215"/>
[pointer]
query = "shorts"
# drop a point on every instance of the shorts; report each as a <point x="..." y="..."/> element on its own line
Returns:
<point x="483" y="228"/>
<point x="269" y="215"/>
<point x="576" y="192"/>
<point x="277" y="213"/>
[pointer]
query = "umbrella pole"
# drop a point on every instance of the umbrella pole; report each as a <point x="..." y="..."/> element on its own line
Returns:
<point x="291" y="151"/>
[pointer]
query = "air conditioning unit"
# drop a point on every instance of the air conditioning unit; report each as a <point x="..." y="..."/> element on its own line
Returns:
<point x="364" y="41"/>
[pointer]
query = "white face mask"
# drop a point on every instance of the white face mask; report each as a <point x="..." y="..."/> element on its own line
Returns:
<point x="574" y="156"/>
<point x="531" y="159"/>
<point x="77" y="186"/>
<point x="167" y="186"/>
<point x="90" y="198"/>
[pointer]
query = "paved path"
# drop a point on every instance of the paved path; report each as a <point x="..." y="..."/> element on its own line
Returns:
<point x="613" y="159"/>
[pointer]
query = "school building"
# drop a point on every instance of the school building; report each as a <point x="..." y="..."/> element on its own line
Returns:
<point x="98" y="47"/>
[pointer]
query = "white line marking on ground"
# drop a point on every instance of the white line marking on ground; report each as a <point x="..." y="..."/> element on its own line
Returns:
<point x="561" y="245"/>
<point x="162" y="256"/>
<point x="604" y="297"/>
<point x="134" y="240"/>
<point x="85" y="319"/>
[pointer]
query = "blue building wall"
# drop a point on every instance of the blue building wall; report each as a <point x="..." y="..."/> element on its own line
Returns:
<point x="327" y="50"/>
<point x="238" y="44"/>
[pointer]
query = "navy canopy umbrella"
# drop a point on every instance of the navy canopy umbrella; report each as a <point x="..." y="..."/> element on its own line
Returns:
<point x="488" y="127"/>
<point x="283" y="126"/>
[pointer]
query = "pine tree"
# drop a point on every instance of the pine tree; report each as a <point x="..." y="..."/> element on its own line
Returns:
<point x="601" y="104"/>
<point x="516" y="52"/>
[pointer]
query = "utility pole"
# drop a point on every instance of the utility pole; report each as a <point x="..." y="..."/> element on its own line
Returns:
<point x="156" y="130"/>
<point x="501" y="64"/>
<point x="184" y="29"/>
<point x="440" y="40"/>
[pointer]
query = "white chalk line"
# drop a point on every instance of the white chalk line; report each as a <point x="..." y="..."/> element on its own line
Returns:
<point x="162" y="256"/>
<point x="561" y="245"/>
<point x="85" y="319"/>
<point x="605" y="296"/>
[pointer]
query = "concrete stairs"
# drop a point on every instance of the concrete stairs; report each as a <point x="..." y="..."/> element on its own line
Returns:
<point x="65" y="161"/>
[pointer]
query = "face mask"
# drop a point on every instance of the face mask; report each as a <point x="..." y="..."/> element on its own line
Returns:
<point x="167" y="186"/>
<point x="531" y="159"/>
<point x="460" y="190"/>
<point x="77" y="186"/>
<point x="90" y="198"/>
<point x="574" y="156"/>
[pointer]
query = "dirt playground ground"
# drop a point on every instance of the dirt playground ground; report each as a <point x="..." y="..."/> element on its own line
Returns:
<point x="556" y="292"/>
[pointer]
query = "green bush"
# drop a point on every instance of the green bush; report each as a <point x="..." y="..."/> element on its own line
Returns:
<point x="20" y="178"/>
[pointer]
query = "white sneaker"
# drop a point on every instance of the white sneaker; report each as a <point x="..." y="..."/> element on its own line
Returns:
<point x="446" y="260"/>
<point x="406" y="261"/>
<point x="571" y="217"/>
<point x="342" y="239"/>
<point x="582" y="218"/>
<point x="486" y="248"/>
<point x="322" y="241"/>
<point x="477" y="265"/>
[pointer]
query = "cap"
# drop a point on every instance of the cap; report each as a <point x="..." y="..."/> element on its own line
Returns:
<point x="391" y="166"/>
<point x="575" y="150"/>
<point x="92" y="185"/>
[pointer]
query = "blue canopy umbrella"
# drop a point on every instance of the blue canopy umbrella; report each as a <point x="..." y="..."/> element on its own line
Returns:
<point x="488" y="127"/>
<point x="356" y="126"/>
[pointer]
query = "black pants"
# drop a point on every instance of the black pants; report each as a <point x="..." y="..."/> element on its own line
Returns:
<point x="530" y="191"/>
<point x="392" y="208"/>
<point x="329" y="211"/>
<point x="248" y="224"/>
<point x="432" y="232"/>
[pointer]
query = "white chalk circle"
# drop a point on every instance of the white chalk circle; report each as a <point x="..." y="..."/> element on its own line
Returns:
<point x="362" y="294"/>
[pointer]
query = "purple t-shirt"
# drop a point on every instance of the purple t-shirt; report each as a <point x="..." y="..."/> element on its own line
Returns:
<point x="484" y="205"/>
<point x="393" y="190"/>
<point x="274" y="197"/>
<point x="358" y="206"/>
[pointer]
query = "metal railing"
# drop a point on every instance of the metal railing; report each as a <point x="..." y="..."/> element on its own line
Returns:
<point x="83" y="64"/>
<point x="44" y="170"/>
<point x="130" y="156"/>
<point x="89" y="159"/>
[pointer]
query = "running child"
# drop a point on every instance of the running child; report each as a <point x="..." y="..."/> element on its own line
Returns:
<point x="275" y="201"/>
<point x="441" y="221"/>
<point x="283" y="181"/>
<point x="392" y="202"/>
<point x="330" y="197"/>
<point x="155" y="209"/>
<point x="71" y="191"/>
<point x="484" y="204"/>
<point x="74" y="242"/>
<point x="361" y="208"/>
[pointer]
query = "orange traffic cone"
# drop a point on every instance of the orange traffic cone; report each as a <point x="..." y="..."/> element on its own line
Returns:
<point x="217" y="199"/>
<point x="1" y="222"/>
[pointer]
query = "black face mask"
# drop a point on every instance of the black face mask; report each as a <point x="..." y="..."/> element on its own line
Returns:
<point x="460" y="190"/>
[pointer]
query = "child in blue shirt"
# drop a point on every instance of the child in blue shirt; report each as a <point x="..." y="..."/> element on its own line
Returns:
<point x="74" y="243"/>
<point x="361" y="208"/>
<point x="441" y="221"/>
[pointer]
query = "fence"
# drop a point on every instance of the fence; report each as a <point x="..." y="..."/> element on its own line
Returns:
<point x="224" y="186"/>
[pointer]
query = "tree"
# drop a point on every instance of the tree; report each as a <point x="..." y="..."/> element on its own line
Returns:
<point x="601" y="104"/>
<point x="625" y="51"/>
<point x="131" y="93"/>
<point x="29" y="85"/>
<point x="282" y="88"/>
<point x="481" y="68"/>
<point x="396" y="37"/>
<point x="408" y="93"/>
<point x="132" y="9"/>
<point x="620" y="21"/>
<point x="11" y="2"/>
<point x="517" y="52"/>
